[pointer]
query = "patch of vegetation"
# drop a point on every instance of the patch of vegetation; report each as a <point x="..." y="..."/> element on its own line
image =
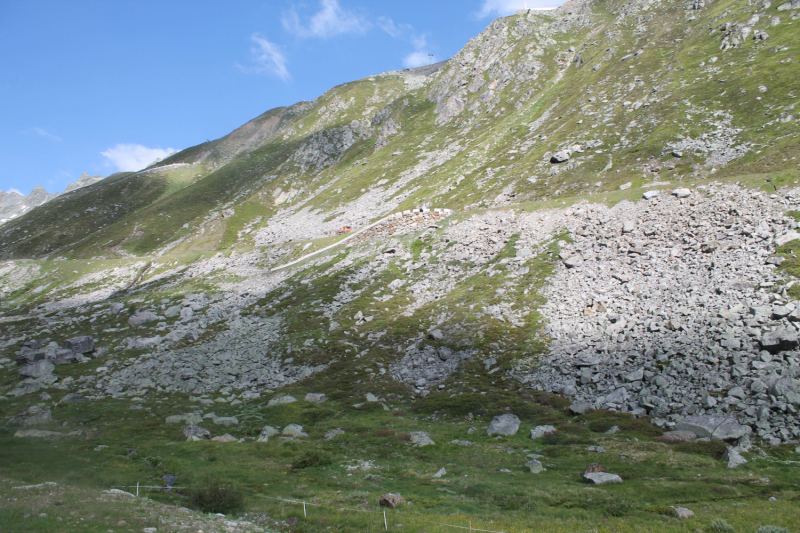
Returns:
<point x="218" y="497"/>
<point x="711" y="448"/>
<point x="311" y="458"/>
<point x="720" y="526"/>
<point x="619" y="506"/>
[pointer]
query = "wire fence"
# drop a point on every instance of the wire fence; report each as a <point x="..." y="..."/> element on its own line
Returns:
<point x="394" y="513"/>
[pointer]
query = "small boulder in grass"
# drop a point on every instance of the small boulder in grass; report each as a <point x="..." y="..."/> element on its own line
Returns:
<point x="597" y="474"/>
<point x="390" y="500"/>
<point x="683" y="512"/>
<point x="227" y="437"/>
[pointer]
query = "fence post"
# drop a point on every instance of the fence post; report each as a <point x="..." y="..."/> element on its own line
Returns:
<point x="304" y="509"/>
<point x="470" y="526"/>
<point x="384" y="521"/>
<point x="137" y="489"/>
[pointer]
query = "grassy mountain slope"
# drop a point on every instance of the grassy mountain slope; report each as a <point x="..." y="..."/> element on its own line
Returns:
<point x="625" y="83"/>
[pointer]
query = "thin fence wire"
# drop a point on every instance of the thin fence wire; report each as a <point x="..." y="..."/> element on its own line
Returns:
<point x="397" y="514"/>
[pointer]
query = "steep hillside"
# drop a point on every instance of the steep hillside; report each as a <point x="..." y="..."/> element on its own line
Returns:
<point x="584" y="226"/>
<point x="538" y="106"/>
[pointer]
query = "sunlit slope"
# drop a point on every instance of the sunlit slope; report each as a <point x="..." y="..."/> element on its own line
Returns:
<point x="630" y="91"/>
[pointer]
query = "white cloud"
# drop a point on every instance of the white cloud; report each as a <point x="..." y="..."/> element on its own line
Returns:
<point x="44" y="133"/>
<point x="329" y="21"/>
<point x="133" y="157"/>
<point x="503" y="8"/>
<point x="395" y="30"/>
<point x="268" y="58"/>
<point x="12" y="190"/>
<point x="418" y="59"/>
<point x="421" y="54"/>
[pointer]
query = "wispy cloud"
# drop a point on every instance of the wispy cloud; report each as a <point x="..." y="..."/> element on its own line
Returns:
<point x="43" y="133"/>
<point x="267" y="58"/>
<point x="503" y="8"/>
<point x="12" y="190"/>
<point x="329" y="21"/>
<point x="422" y="54"/>
<point x="133" y="157"/>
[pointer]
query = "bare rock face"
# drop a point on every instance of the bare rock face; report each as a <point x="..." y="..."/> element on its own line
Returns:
<point x="83" y="344"/>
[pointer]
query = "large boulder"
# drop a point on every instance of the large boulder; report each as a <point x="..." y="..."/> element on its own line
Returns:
<point x="294" y="430"/>
<point x="540" y="431"/>
<point x="142" y="317"/>
<point x="266" y="433"/>
<point x="316" y="397"/>
<point x="780" y="340"/>
<point x="37" y="370"/>
<point x="391" y="500"/>
<point x="733" y="457"/>
<point x="506" y="424"/>
<point x="601" y="478"/>
<point x="281" y="400"/>
<point x="716" y="427"/>
<point x="65" y="357"/>
<point x="787" y="389"/>
<point x="196" y="433"/>
<point x="421" y="438"/>
<point x="82" y="344"/>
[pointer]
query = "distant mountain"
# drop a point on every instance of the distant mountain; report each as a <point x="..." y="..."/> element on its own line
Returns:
<point x="83" y="181"/>
<point x="13" y="204"/>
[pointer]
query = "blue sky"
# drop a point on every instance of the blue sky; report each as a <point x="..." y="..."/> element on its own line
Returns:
<point x="101" y="86"/>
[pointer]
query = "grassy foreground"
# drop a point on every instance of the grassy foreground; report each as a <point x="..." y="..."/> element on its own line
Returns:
<point x="342" y="479"/>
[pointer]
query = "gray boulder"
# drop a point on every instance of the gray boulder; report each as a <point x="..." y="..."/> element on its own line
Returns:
<point x="82" y="344"/>
<point x="562" y="156"/>
<point x="74" y="397"/>
<point x="421" y="438"/>
<point x="601" y="478"/>
<point x="787" y="389"/>
<point x="281" y="400"/>
<point x="506" y="424"/>
<point x="733" y="457"/>
<point x="316" y="397"/>
<point x="715" y="427"/>
<point x="540" y="431"/>
<point x="65" y="357"/>
<point x="266" y="433"/>
<point x="294" y="430"/>
<point x="535" y="466"/>
<point x="196" y="433"/>
<point x="37" y="370"/>
<point x="780" y="340"/>
<point x="579" y="407"/>
<point x="141" y="318"/>
<point x="116" y="308"/>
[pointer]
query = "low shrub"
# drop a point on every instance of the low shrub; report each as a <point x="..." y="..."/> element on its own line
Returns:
<point x="313" y="416"/>
<point x="619" y="507"/>
<point x="720" y="526"/>
<point x="403" y="437"/>
<point x="772" y="529"/>
<point x="310" y="459"/>
<point x="512" y="502"/>
<point x="711" y="448"/>
<point x="218" y="498"/>
<point x="665" y="510"/>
